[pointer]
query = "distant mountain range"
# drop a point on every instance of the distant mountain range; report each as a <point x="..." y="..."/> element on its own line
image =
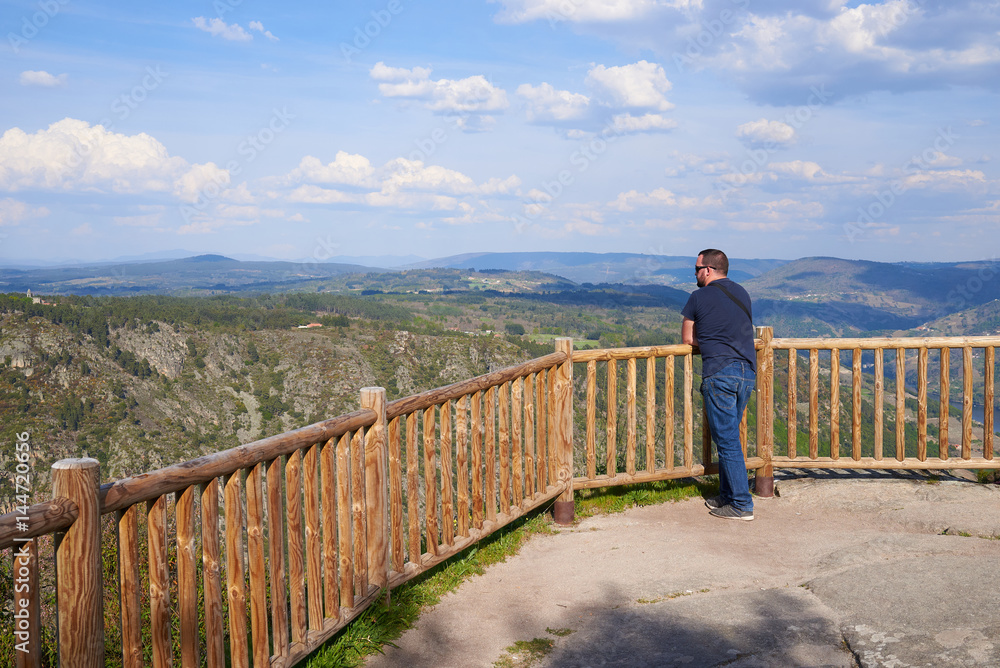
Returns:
<point x="625" y="268"/>
<point x="140" y="275"/>
<point x="819" y="296"/>
<point x="198" y="274"/>
<point x="873" y="296"/>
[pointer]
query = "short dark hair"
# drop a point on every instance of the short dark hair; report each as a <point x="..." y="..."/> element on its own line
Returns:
<point x="713" y="257"/>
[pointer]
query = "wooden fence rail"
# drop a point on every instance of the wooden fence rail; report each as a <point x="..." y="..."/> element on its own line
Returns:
<point x="259" y="554"/>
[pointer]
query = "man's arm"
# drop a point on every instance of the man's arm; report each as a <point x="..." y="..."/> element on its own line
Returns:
<point x="687" y="332"/>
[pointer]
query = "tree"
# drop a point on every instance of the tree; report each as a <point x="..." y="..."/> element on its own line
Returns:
<point x="514" y="328"/>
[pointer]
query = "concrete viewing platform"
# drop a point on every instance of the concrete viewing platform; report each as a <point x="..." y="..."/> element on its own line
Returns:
<point x="840" y="568"/>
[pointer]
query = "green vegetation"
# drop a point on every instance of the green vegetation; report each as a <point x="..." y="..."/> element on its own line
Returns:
<point x="605" y="500"/>
<point x="525" y="653"/>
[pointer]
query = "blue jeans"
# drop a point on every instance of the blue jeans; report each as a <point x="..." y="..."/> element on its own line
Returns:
<point x="726" y="394"/>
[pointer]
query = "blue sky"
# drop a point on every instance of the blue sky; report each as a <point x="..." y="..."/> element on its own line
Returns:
<point x="769" y="128"/>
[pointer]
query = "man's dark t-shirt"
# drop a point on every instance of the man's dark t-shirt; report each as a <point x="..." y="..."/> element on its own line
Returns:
<point x="723" y="330"/>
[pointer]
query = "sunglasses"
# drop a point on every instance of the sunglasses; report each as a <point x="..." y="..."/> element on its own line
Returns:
<point x="698" y="267"/>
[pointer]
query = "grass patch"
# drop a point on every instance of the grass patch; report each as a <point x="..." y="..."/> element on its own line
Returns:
<point x="591" y="502"/>
<point x="525" y="653"/>
<point x="988" y="476"/>
<point x="380" y="624"/>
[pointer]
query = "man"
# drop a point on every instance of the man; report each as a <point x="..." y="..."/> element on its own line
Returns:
<point x="717" y="319"/>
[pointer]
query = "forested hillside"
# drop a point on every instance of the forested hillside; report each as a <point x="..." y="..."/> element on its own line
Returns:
<point x="142" y="382"/>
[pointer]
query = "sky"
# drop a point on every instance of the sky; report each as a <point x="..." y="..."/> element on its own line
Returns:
<point x="313" y="130"/>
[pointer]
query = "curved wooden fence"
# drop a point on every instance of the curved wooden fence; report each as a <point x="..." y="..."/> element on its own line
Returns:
<point x="259" y="554"/>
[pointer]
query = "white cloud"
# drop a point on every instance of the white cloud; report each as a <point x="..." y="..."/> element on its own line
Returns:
<point x="586" y="228"/>
<point x="474" y="122"/>
<point x="411" y="201"/>
<point x="470" y="95"/>
<point x="311" y="194"/>
<point x="13" y="211"/>
<point x="948" y="179"/>
<point x="582" y="11"/>
<point x="641" y="85"/>
<point x="346" y="169"/>
<point x="686" y="163"/>
<point x="763" y="132"/>
<point x="788" y="210"/>
<point x="71" y="155"/>
<point x="200" y="181"/>
<point x="896" y="45"/>
<point x="545" y="103"/>
<point x="497" y="186"/>
<point x="628" y="201"/>
<point x="382" y="72"/>
<point x="403" y="174"/>
<point x="259" y="27"/>
<point x="84" y="230"/>
<point x="239" y="212"/>
<point x="399" y="183"/>
<point x="804" y="170"/>
<point x="616" y="91"/>
<point x="939" y="159"/>
<point x="238" y="195"/>
<point x="42" y="79"/>
<point x="628" y="124"/>
<point x="219" y="28"/>
<point x="776" y="50"/>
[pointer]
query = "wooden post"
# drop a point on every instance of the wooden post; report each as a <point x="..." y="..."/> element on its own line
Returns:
<point x="792" y="432"/>
<point x="128" y="584"/>
<point x="943" y="391"/>
<point x="79" y="586"/>
<point x="563" y="430"/>
<point x="988" y="403"/>
<point x="211" y="575"/>
<point x="187" y="576"/>
<point x="879" y="402"/>
<point x="235" y="572"/>
<point x="377" y="487"/>
<point x="764" y="476"/>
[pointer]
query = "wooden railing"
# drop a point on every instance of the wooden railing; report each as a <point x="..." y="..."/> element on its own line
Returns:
<point x="307" y="528"/>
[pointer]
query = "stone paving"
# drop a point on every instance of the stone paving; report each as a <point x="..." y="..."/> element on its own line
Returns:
<point x="838" y="569"/>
